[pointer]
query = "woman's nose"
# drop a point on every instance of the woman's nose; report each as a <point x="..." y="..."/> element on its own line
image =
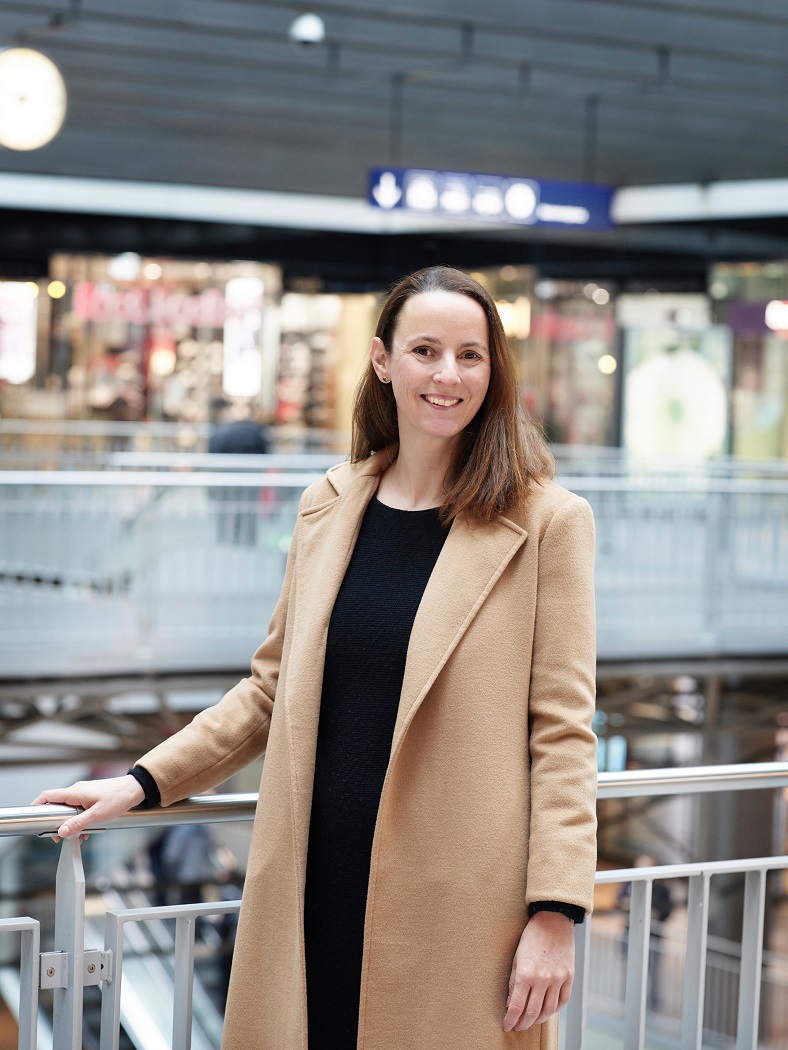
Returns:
<point x="447" y="372"/>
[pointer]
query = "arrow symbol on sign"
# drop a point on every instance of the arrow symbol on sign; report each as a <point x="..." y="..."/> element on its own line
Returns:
<point x="387" y="193"/>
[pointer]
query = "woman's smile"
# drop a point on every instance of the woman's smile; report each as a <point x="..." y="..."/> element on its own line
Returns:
<point x="441" y="402"/>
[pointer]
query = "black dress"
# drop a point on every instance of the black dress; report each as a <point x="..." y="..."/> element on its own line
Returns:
<point x="366" y="649"/>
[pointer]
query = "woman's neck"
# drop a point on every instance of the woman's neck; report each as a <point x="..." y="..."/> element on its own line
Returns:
<point x="415" y="480"/>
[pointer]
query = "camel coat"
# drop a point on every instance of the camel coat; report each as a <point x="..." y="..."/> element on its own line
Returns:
<point x="488" y="801"/>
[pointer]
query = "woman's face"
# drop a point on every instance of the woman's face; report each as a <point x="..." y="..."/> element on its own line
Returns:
<point x="439" y="365"/>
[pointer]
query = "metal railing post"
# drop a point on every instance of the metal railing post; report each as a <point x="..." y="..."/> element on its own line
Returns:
<point x="577" y="1007"/>
<point x="637" y="965"/>
<point x="70" y="940"/>
<point x="751" y="960"/>
<point x="28" y="988"/>
<point x="109" y="1037"/>
<point x="695" y="963"/>
<point x="184" y="982"/>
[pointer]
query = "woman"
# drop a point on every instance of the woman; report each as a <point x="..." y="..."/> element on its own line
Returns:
<point x="425" y="835"/>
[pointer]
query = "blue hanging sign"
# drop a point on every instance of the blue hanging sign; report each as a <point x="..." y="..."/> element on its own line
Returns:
<point x="492" y="198"/>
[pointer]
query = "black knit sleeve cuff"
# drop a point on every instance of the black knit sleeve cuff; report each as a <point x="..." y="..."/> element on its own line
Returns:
<point x="571" y="911"/>
<point x="148" y="785"/>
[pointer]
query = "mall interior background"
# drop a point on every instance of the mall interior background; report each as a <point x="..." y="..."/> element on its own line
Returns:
<point x="654" y="355"/>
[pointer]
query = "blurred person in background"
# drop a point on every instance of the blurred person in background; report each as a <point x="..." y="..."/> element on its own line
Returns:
<point x="425" y="837"/>
<point x="181" y="862"/>
<point x="236" y="433"/>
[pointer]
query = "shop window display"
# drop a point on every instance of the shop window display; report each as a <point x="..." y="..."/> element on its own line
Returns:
<point x="677" y="375"/>
<point x="760" y="396"/>
<point x="575" y="336"/>
<point x="130" y="339"/>
<point x="751" y="298"/>
<point x="564" y="337"/>
<point x="308" y="355"/>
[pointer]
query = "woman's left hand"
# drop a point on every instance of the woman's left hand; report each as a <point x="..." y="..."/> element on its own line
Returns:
<point x="542" y="971"/>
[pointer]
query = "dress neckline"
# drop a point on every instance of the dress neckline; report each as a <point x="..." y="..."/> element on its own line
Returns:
<point x="399" y="510"/>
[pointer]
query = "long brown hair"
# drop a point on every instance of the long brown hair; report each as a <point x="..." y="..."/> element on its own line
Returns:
<point x="501" y="454"/>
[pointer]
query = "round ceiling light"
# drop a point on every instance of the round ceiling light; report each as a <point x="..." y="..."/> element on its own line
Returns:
<point x="32" y="99"/>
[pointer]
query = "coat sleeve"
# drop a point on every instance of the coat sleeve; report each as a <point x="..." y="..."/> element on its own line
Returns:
<point x="222" y="739"/>
<point x="562" y="837"/>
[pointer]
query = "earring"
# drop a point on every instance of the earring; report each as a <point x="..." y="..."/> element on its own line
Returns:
<point x="385" y="379"/>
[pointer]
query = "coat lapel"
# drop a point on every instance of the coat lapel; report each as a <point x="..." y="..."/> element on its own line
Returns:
<point x="471" y="561"/>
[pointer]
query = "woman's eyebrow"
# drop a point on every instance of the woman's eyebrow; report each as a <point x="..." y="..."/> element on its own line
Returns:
<point x="436" y="342"/>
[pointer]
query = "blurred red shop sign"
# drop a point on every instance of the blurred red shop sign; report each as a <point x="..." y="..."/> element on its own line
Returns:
<point x="150" y="306"/>
<point x="553" y="325"/>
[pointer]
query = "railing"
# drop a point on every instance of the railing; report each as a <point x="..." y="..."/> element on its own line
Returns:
<point x="125" y="571"/>
<point x="69" y="443"/>
<point x="71" y="966"/>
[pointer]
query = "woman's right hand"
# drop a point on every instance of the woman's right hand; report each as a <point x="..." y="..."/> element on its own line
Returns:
<point x="99" y="799"/>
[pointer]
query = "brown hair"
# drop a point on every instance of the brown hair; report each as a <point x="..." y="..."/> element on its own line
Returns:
<point x="501" y="454"/>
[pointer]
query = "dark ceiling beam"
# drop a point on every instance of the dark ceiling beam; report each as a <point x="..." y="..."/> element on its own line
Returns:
<point x="568" y="26"/>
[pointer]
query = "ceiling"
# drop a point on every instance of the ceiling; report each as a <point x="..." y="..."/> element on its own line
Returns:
<point x="617" y="91"/>
<point x="212" y="91"/>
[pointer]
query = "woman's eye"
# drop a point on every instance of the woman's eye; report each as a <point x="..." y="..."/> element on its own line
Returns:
<point x="423" y="351"/>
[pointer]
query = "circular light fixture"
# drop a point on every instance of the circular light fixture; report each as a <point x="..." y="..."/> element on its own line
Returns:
<point x="307" y="30"/>
<point x="56" y="289"/>
<point x="607" y="364"/>
<point x="32" y="99"/>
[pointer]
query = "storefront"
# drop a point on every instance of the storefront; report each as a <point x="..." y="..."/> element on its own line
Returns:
<point x="126" y="338"/>
<point x="130" y="339"/>
<point x="564" y="336"/>
<point x="752" y="300"/>
<point x="676" y="377"/>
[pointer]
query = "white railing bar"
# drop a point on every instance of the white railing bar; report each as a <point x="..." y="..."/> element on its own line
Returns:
<point x="28" y="977"/>
<point x="751" y="960"/>
<point x="173" y="911"/>
<point x="187" y="479"/>
<point x="156" y="479"/>
<point x="678" y="483"/>
<point x="184" y="982"/>
<point x="695" y="964"/>
<point x="109" y="1037"/>
<point x="638" y="940"/>
<point x="635" y="783"/>
<point x="576" y="1014"/>
<point x="686" y="871"/>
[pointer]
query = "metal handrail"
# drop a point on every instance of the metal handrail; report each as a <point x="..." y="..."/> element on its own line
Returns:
<point x="686" y="780"/>
<point x="201" y="809"/>
<point x="206" y="809"/>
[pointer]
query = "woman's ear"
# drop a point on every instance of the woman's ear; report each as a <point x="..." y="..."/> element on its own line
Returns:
<point x="379" y="357"/>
